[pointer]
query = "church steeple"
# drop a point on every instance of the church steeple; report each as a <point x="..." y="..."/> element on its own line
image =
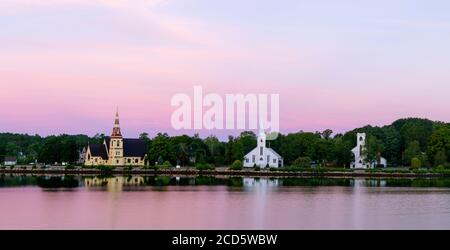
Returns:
<point x="261" y="135"/>
<point x="116" y="130"/>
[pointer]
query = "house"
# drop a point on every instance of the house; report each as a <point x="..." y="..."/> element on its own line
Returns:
<point x="360" y="158"/>
<point x="116" y="150"/>
<point x="263" y="156"/>
<point x="10" y="161"/>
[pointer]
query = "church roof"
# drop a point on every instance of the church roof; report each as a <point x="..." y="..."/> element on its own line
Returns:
<point x="273" y="152"/>
<point x="98" y="150"/>
<point x="10" y="158"/>
<point x="134" y="148"/>
<point x="131" y="147"/>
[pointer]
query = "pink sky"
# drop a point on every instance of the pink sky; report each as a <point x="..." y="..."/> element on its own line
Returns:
<point x="66" y="65"/>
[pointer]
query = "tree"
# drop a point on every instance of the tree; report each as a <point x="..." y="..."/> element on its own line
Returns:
<point x="326" y="134"/>
<point x="413" y="150"/>
<point x="415" y="162"/>
<point x="439" y="141"/>
<point x="373" y="150"/>
<point x="414" y="129"/>
<point x="237" y="165"/>
<point x="216" y="150"/>
<point x="392" y="142"/>
<point x="302" y="162"/>
<point x="342" y="152"/>
<point x="144" y="136"/>
<point x="440" y="158"/>
<point x="160" y="147"/>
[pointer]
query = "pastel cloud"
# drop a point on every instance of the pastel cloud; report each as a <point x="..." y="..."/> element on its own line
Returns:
<point x="65" y="65"/>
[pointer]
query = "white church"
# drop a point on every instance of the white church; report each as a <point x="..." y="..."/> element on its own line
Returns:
<point x="358" y="151"/>
<point x="262" y="156"/>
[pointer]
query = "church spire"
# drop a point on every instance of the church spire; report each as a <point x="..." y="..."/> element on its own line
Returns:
<point x="116" y="130"/>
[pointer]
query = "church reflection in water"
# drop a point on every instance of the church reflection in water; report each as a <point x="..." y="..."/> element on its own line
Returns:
<point x="115" y="183"/>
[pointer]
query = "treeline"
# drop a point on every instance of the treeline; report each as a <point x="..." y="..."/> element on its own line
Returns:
<point x="50" y="149"/>
<point x="406" y="142"/>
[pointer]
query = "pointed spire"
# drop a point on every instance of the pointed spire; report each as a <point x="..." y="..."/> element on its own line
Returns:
<point x="116" y="130"/>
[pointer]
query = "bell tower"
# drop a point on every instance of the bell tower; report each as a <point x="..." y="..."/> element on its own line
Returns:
<point x="261" y="158"/>
<point x="116" y="144"/>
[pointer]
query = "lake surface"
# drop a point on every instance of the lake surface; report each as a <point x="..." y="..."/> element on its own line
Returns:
<point x="136" y="202"/>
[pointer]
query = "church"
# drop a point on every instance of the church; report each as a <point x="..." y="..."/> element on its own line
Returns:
<point x="116" y="150"/>
<point x="263" y="156"/>
<point x="358" y="152"/>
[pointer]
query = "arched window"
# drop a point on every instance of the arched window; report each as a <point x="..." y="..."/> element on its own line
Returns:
<point x="136" y="161"/>
<point x="118" y="143"/>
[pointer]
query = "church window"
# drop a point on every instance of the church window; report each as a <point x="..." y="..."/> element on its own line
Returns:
<point x="274" y="160"/>
<point x="254" y="158"/>
<point x="261" y="150"/>
<point x="89" y="156"/>
<point x="268" y="159"/>
<point x="118" y="143"/>
<point x="360" y="138"/>
<point x="246" y="160"/>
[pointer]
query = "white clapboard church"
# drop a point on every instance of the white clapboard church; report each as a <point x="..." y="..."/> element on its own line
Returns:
<point x="360" y="159"/>
<point x="262" y="156"/>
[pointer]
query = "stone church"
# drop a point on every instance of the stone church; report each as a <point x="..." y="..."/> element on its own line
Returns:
<point x="116" y="150"/>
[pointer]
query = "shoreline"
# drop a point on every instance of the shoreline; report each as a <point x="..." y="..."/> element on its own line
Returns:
<point x="229" y="173"/>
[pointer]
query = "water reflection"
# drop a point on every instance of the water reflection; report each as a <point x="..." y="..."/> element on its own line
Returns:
<point x="120" y="183"/>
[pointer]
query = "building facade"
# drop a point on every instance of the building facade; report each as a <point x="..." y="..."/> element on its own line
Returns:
<point x="10" y="161"/>
<point x="116" y="150"/>
<point x="263" y="156"/>
<point x="360" y="158"/>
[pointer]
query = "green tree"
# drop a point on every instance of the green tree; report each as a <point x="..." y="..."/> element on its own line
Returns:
<point x="342" y="152"/>
<point x="302" y="162"/>
<point x="415" y="162"/>
<point x="326" y="134"/>
<point x="392" y="142"/>
<point x="237" y="165"/>
<point x="439" y="141"/>
<point x="413" y="150"/>
<point x="440" y="158"/>
<point x="374" y="149"/>
<point x="160" y="146"/>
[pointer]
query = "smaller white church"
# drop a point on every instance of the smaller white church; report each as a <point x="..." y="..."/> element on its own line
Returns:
<point x="262" y="156"/>
<point x="358" y="151"/>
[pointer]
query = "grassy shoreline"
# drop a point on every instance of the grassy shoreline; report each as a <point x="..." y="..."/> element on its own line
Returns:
<point x="319" y="172"/>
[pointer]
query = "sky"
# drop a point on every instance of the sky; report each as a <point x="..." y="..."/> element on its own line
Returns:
<point x="65" y="65"/>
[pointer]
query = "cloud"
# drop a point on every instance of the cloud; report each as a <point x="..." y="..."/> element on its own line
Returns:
<point x="60" y="3"/>
<point x="143" y="17"/>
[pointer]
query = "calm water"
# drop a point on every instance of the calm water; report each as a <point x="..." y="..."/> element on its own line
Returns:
<point x="210" y="203"/>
